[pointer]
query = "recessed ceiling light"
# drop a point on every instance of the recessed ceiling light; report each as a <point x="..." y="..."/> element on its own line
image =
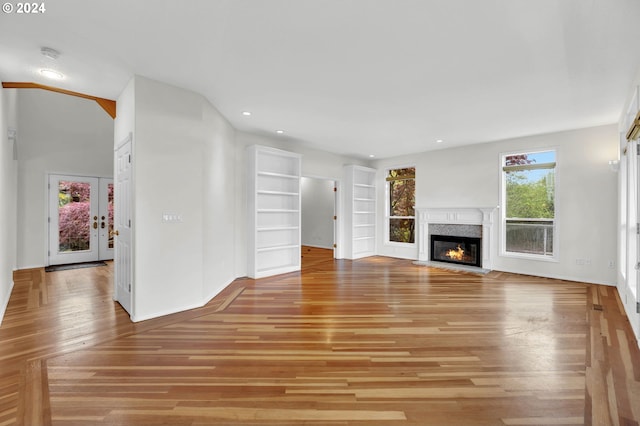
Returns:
<point x="52" y="74"/>
<point x="279" y="132"/>
<point x="439" y="141"/>
<point x="246" y="113"/>
<point x="372" y="156"/>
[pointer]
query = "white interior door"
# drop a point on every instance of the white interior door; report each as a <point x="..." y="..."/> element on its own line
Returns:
<point x="73" y="219"/>
<point x="123" y="238"/>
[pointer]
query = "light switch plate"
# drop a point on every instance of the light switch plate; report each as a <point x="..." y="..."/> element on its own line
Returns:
<point x="172" y="217"/>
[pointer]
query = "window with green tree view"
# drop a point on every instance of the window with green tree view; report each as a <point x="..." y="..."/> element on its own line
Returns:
<point x="529" y="203"/>
<point x="401" y="187"/>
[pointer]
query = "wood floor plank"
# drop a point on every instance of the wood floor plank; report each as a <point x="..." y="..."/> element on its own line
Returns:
<point x="377" y="341"/>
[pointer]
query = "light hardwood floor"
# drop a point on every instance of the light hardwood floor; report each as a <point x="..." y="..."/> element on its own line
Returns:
<point x="377" y="341"/>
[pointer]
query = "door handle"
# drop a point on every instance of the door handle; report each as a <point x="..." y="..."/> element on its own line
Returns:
<point x="102" y="225"/>
<point x="95" y="225"/>
<point x="112" y="233"/>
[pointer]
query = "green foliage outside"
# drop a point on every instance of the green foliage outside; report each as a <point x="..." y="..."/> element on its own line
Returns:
<point x="528" y="198"/>
<point x="530" y="209"/>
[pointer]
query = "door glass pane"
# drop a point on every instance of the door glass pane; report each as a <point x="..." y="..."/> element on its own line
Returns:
<point x="74" y="220"/>
<point x="110" y="209"/>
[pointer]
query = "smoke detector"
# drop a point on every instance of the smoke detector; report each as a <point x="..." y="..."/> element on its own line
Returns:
<point x="50" y="53"/>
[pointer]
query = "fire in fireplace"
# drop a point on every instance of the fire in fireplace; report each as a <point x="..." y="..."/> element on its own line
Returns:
<point x="461" y="250"/>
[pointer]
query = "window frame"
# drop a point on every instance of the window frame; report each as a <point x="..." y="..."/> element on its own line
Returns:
<point x="387" y="214"/>
<point x="503" y="210"/>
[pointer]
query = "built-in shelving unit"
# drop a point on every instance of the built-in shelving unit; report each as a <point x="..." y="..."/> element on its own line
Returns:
<point x="360" y="212"/>
<point x="273" y="211"/>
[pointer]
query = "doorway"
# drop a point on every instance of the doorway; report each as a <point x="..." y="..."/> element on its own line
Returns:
<point x="318" y="218"/>
<point x="80" y="219"/>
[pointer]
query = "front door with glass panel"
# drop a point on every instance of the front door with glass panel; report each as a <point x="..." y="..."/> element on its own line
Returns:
<point x="80" y="218"/>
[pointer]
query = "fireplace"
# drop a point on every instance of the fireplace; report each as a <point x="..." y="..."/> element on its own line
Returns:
<point x="454" y="222"/>
<point x="454" y="249"/>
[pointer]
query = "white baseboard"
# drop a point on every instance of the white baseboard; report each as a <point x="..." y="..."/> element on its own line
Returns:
<point x="5" y="301"/>
<point x="317" y="246"/>
<point x="139" y="318"/>
<point x="214" y="293"/>
<point x="217" y="291"/>
<point x="22" y="268"/>
<point x="558" y="277"/>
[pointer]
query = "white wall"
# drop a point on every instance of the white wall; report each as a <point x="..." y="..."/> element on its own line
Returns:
<point x="318" y="203"/>
<point x="189" y="160"/>
<point x="586" y="197"/>
<point x="125" y="121"/>
<point x="220" y="216"/>
<point x="319" y="164"/>
<point x="57" y="134"/>
<point x="183" y="163"/>
<point x="123" y="129"/>
<point x="315" y="163"/>
<point x="8" y="195"/>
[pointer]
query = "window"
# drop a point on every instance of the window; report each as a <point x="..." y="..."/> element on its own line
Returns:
<point x="528" y="198"/>
<point x="401" y="187"/>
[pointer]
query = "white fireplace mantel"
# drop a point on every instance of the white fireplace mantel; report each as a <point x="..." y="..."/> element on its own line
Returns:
<point x="456" y="216"/>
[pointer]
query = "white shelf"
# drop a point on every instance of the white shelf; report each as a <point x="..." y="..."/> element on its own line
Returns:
<point x="277" y="211"/>
<point x="274" y="248"/>
<point x="277" y="228"/>
<point x="360" y="212"/>
<point x="278" y="175"/>
<point x="293" y="194"/>
<point x="274" y="211"/>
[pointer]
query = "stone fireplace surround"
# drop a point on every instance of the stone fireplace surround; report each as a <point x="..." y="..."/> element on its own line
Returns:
<point x="436" y="217"/>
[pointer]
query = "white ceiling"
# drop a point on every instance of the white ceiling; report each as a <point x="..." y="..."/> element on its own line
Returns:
<point x="357" y="77"/>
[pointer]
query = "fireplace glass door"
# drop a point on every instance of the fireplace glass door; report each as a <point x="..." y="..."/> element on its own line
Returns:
<point x="461" y="250"/>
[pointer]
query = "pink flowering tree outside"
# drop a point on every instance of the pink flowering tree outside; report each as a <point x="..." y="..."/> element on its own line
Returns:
<point x="74" y="215"/>
<point x="110" y="210"/>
